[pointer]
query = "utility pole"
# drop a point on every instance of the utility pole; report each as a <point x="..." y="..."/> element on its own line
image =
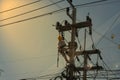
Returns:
<point x="72" y="45"/>
<point x="85" y="59"/>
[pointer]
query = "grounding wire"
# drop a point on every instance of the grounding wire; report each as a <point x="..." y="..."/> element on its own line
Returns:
<point x="32" y="10"/>
<point x="20" y="6"/>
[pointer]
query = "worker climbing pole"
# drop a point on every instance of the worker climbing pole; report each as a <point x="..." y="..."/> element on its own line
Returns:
<point x="72" y="44"/>
<point x="62" y="47"/>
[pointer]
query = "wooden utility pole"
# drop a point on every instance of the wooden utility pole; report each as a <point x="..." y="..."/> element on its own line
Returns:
<point x="72" y="45"/>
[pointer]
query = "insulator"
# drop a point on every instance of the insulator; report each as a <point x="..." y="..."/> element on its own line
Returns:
<point x="90" y="30"/>
<point x="66" y="22"/>
<point x="76" y="33"/>
<point x="57" y="24"/>
<point x="88" y="19"/>
<point x="67" y="9"/>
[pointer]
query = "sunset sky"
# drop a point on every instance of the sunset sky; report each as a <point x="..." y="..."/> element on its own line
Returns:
<point x="29" y="48"/>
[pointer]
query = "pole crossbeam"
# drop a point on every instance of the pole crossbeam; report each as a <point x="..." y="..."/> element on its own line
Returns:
<point x="76" y="25"/>
<point x="96" y="51"/>
<point x="92" y="68"/>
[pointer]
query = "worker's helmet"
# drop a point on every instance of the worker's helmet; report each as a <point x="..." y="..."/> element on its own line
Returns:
<point x="60" y="38"/>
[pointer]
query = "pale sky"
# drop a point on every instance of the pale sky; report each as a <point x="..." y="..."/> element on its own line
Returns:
<point x="29" y="49"/>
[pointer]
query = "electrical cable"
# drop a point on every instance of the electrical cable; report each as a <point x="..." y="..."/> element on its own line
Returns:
<point x="79" y="43"/>
<point x="56" y="5"/>
<point x="96" y="65"/>
<point x="102" y="75"/>
<point x="80" y="50"/>
<point x="20" y="6"/>
<point x="32" y="10"/>
<point x="94" y="30"/>
<point x="97" y="61"/>
<point x="91" y="37"/>
<point x="25" y="59"/>
<point x="108" y="30"/>
<point x="43" y="76"/>
<point x="62" y="9"/>
<point x="93" y="44"/>
<point x="103" y="36"/>
<point x="34" y="17"/>
<point x="95" y="2"/>
<point x="58" y="59"/>
<point x="93" y="47"/>
<point x="107" y="66"/>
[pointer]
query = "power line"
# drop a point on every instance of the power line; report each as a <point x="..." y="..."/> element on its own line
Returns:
<point x="100" y="3"/>
<point x="103" y="36"/>
<point x="94" y="2"/>
<point x="32" y="17"/>
<point x="53" y="3"/>
<point x="49" y="13"/>
<point x="46" y="76"/>
<point x="32" y="10"/>
<point x="20" y="6"/>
